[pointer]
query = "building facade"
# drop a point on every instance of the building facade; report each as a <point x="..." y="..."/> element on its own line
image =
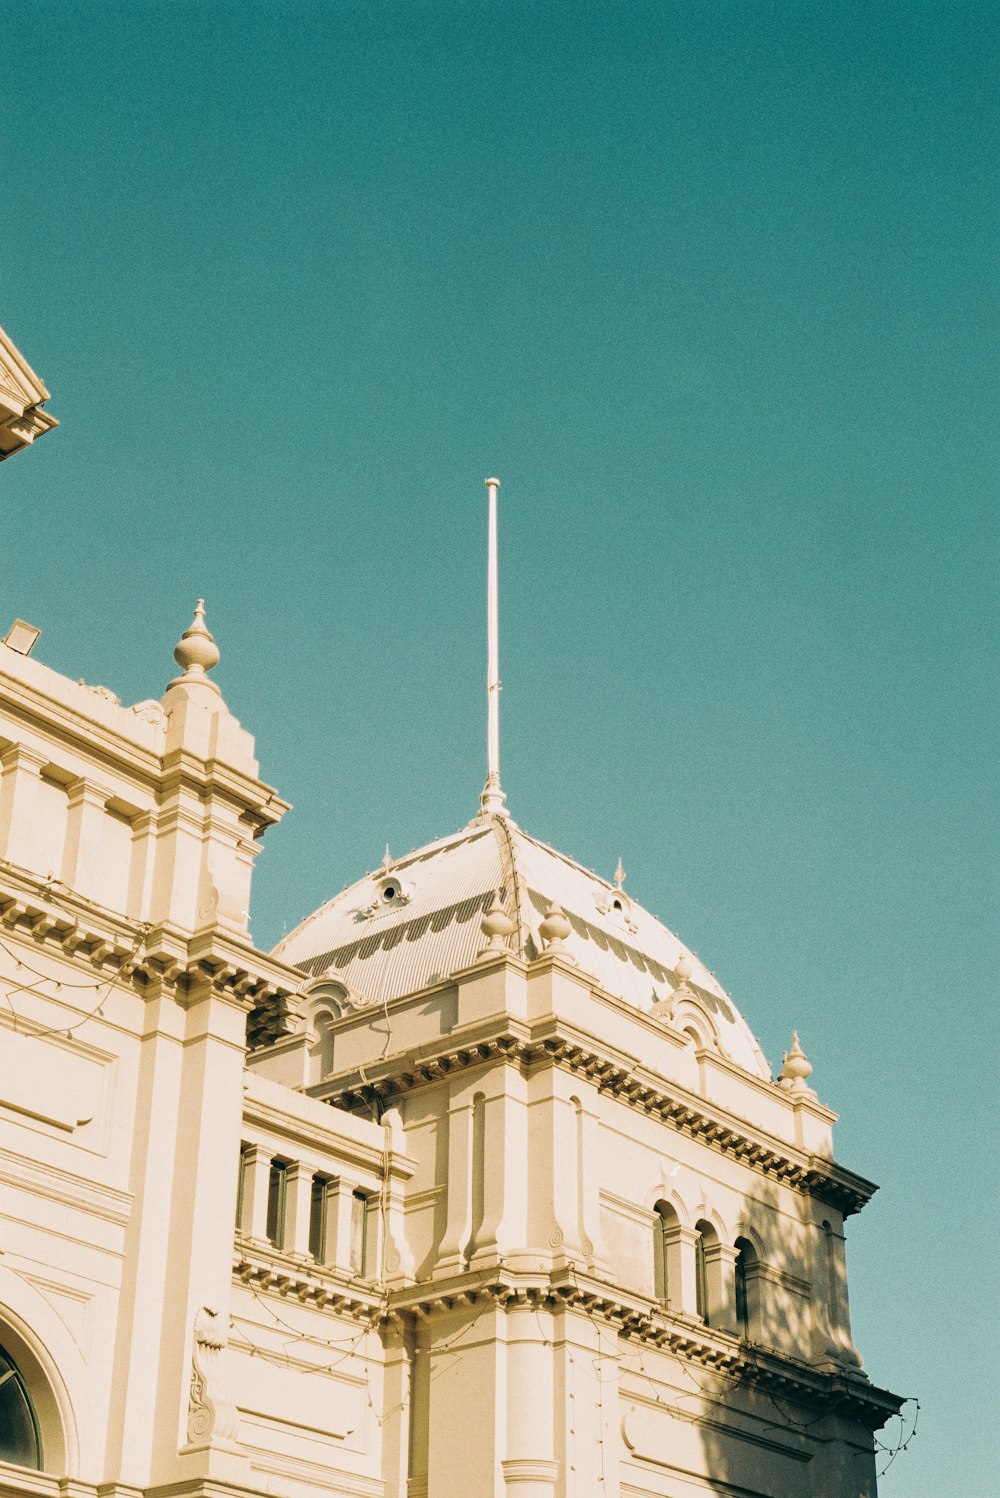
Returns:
<point x="478" y="1185"/>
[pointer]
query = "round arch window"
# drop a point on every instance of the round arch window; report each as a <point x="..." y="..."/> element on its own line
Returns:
<point x="19" y="1439"/>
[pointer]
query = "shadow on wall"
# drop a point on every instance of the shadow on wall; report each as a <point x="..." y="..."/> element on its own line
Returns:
<point x="794" y="1432"/>
<point x="795" y="1417"/>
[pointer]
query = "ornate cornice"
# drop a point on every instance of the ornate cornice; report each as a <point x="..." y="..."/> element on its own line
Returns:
<point x="683" y="1337"/>
<point x="62" y="922"/>
<point x="22" y="396"/>
<point x="310" y="1284"/>
<point x="614" y="1075"/>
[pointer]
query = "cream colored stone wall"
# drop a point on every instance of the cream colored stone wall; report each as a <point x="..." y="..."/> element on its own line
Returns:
<point x="493" y="1289"/>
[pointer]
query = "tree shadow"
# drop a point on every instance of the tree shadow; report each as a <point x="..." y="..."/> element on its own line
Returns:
<point x="766" y="1397"/>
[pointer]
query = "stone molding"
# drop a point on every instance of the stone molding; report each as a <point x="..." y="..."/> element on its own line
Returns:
<point x="318" y="1286"/>
<point x="22" y="396"/>
<point x="847" y="1391"/>
<point x="612" y="1074"/>
<point x="137" y="953"/>
<point x="531" y="1470"/>
<point x="309" y="1135"/>
<point x="69" y="1189"/>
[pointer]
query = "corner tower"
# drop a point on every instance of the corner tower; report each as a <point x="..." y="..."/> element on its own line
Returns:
<point x="622" y="1242"/>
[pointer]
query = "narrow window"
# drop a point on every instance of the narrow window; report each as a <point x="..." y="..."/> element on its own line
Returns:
<point x="318" y="1211"/>
<point x="277" y="1187"/>
<point x="700" y="1279"/>
<point x="359" y="1233"/>
<point x="742" y="1307"/>
<point x="664" y="1231"/>
<point x="19" y="1439"/>
<point x="241" y="1185"/>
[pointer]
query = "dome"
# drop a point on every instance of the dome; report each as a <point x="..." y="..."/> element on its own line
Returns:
<point x="415" y="920"/>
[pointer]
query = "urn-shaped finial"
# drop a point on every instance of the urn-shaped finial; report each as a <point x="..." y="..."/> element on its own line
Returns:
<point x="496" y="926"/>
<point x="682" y="968"/>
<point x="196" y="651"/>
<point x="795" y="1069"/>
<point x="554" y="929"/>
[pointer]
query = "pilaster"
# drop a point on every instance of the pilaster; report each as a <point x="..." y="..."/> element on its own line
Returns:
<point x="85" y="854"/>
<point x="298" y="1205"/>
<point x="720" y="1274"/>
<point x="682" y="1286"/>
<point x="458" y="1226"/>
<point x="21" y="768"/>
<point x="203" y="1202"/>
<point x="503" y="1229"/>
<point x="340" y="1199"/>
<point x="833" y="1255"/>
<point x="255" y="1164"/>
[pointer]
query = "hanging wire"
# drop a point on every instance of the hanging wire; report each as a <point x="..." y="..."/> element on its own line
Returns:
<point x="102" y="989"/>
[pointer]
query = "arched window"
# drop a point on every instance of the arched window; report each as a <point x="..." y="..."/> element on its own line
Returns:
<point x="706" y="1246"/>
<point x="746" y="1288"/>
<point x="20" y="1442"/>
<point x="665" y="1237"/>
<point x="700" y="1279"/>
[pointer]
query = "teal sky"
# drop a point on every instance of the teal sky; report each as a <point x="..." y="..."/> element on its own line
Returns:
<point x="711" y="286"/>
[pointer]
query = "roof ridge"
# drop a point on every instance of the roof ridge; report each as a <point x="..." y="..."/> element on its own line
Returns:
<point x="508" y="861"/>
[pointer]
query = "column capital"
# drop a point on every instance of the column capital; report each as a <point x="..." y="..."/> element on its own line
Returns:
<point x="23" y="756"/>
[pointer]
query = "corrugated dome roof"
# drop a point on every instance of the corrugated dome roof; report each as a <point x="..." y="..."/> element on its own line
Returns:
<point x="416" y="920"/>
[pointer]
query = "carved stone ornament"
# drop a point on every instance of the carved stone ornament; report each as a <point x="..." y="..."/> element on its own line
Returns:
<point x="210" y="1413"/>
<point x="150" y="712"/>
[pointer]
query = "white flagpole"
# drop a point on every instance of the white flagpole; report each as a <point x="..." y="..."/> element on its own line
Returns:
<point x="493" y="799"/>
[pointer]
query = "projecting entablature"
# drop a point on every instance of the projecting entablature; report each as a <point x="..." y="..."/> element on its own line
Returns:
<point x="22" y="397"/>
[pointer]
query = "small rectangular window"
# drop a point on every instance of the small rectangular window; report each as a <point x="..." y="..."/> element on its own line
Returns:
<point x="277" y="1189"/>
<point x="318" y="1212"/>
<point x="359" y="1233"/>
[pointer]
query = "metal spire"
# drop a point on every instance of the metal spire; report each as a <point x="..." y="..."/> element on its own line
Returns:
<point x="492" y="801"/>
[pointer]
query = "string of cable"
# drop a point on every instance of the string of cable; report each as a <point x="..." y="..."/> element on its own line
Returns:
<point x="901" y="1444"/>
<point x="102" y="988"/>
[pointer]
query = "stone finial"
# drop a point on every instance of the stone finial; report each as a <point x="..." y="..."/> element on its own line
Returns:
<point x="554" y="930"/>
<point x="196" y="652"/>
<point x="497" y="927"/>
<point x="795" y="1070"/>
<point x="619" y="876"/>
<point x="387" y="860"/>
<point x="682" y="969"/>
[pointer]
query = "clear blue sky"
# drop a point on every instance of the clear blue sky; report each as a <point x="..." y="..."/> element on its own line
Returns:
<point x="711" y="286"/>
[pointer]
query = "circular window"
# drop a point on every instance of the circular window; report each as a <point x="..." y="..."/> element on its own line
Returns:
<point x="389" y="892"/>
<point x="19" y="1440"/>
<point x="616" y="904"/>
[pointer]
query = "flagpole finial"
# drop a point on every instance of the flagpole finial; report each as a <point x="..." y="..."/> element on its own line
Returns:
<point x="493" y="801"/>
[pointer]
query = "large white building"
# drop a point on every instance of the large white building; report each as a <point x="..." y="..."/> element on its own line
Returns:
<point x="478" y="1185"/>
